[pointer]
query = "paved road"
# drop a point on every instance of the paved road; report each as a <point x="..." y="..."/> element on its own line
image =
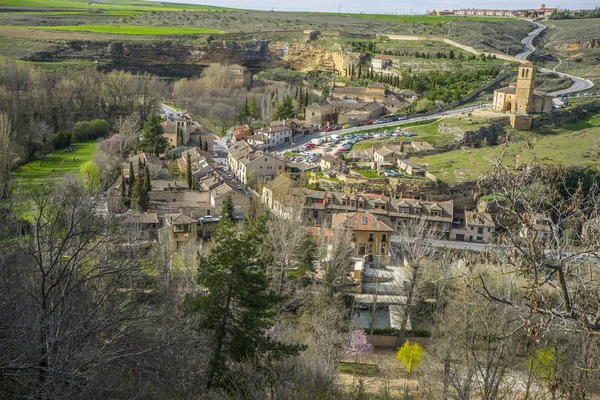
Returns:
<point x="528" y="47"/>
<point x="452" y="244"/>
<point x="579" y="84"/>
<point x="305" y="139"/>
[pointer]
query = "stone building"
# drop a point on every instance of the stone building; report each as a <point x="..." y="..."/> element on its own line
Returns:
<point x="522" y="99"/>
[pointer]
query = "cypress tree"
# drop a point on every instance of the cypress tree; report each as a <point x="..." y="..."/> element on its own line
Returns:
<point x="131" y="175"/>
<point x="189" y="171"/>
<point x="147" y="184"/>
<point x="228" y="211"/>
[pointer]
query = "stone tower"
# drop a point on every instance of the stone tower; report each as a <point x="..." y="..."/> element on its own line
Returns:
<point x="524" y="91"/>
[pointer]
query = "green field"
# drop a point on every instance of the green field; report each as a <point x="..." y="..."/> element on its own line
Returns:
<point x="32" y="175"/>
<point x="137" y="5"/>
<point x="573" y="144"/>
<point x="127" y="30"/>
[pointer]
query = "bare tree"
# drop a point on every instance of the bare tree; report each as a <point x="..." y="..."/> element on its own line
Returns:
<point x="411" y="249"/>
<point x="549" y="219"/>
<point x="76" y="316"/>
<point x="151" y="90"/>
<point x="8" y="156"/>
<point x="336" y="263"/>
<point x="128" y="129"/>
<point x="289" y="247"/>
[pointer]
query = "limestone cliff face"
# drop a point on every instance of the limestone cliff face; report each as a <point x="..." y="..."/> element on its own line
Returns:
<point x="171" y="55"/>
<point x="586" y="44"/>
<point x="307" y="57"/>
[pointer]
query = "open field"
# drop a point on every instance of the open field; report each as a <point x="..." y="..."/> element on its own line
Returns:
<point x="128" y="30"/>
<point x="422" y="19"/>
<point x="33" y="174"/>
<point x="574" y="144"/>
<point x="139" y="5"/>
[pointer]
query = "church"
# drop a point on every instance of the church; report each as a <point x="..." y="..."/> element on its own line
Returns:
<point x="522" y="99"/>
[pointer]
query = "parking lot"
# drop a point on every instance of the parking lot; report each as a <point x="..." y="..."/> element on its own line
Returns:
<point x="337" y="144"/>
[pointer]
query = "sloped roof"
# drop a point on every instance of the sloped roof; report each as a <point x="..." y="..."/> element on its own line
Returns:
<point x="359" y="221"/>
<point x="146" y="218"/>
<point x="179" y="219"/>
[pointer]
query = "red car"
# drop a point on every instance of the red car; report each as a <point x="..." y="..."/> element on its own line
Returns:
<point x="310" y="145"/>
<point x="328" y="129"/>
<point x="369" y="122"/>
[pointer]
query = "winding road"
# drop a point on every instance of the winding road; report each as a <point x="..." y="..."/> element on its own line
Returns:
<point x="579" y="84"/>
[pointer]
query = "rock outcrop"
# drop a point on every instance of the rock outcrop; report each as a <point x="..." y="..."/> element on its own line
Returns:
<point x="586" y="44"/>
<point x="179" y="58"/>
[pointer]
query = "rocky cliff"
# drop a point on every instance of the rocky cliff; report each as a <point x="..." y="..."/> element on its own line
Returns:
<point x="178" y="58"/>
<point x="586" y="44"/>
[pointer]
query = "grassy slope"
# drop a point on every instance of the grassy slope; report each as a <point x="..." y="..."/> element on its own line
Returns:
<point x="32" y="175"/>
<point x="139" y="5"/>
<point x="127" y="30"/>
<point x="422" y="19"/>
<point x="574" y="144"/>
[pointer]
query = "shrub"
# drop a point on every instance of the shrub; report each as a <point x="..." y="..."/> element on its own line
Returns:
<point x="60" y="140"/>
<point x="89" y="130"/>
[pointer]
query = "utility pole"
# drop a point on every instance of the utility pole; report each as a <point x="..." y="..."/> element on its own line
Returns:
<point x="339" y="7"/>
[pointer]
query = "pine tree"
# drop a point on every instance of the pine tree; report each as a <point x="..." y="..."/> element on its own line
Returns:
<point x="238" y="307"/>
<point x="306" y="99"/>
<point x="131" y="175"/>
<point x="153" y="140"/>
<point x="285" y="109"/>
<point x="189" y="171"/>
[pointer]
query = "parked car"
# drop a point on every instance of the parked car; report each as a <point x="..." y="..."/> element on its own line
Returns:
<point x="369" y="122"/>
<point x="346" y="126"/>
<point x="402" y="118"/>
<point x="328" y="129"/>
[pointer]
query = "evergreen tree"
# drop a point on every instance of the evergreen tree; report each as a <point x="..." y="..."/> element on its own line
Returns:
<point x="285" y="109"/>
<point x="253" y="111"/>
<point x="123" y="194"/>
<point x="131" y="175"/>
<point x="451" y="55"/>
<point x="179" y="136"/>
<point x="238" y="307"/>
<point x="139" y="197"/>
<point x="306" y="99"/>
<point x="228" y="211"/>
<point x="153" y="140"/>
<point x="147" y="184"/>
<point x="190" y="180"/>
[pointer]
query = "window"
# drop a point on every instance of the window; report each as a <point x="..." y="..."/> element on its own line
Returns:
<point x="370" y="248"/>
<point x="315" y="214"/>
<point x="480" y="230"/>
<point x="383" y="238"/>
<point x="207" y="212"/>
<point x="182" y="228"/>
<point x="480" y="238"/>
<point x="383" y="206"/>
<point x="370" y="237"/>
